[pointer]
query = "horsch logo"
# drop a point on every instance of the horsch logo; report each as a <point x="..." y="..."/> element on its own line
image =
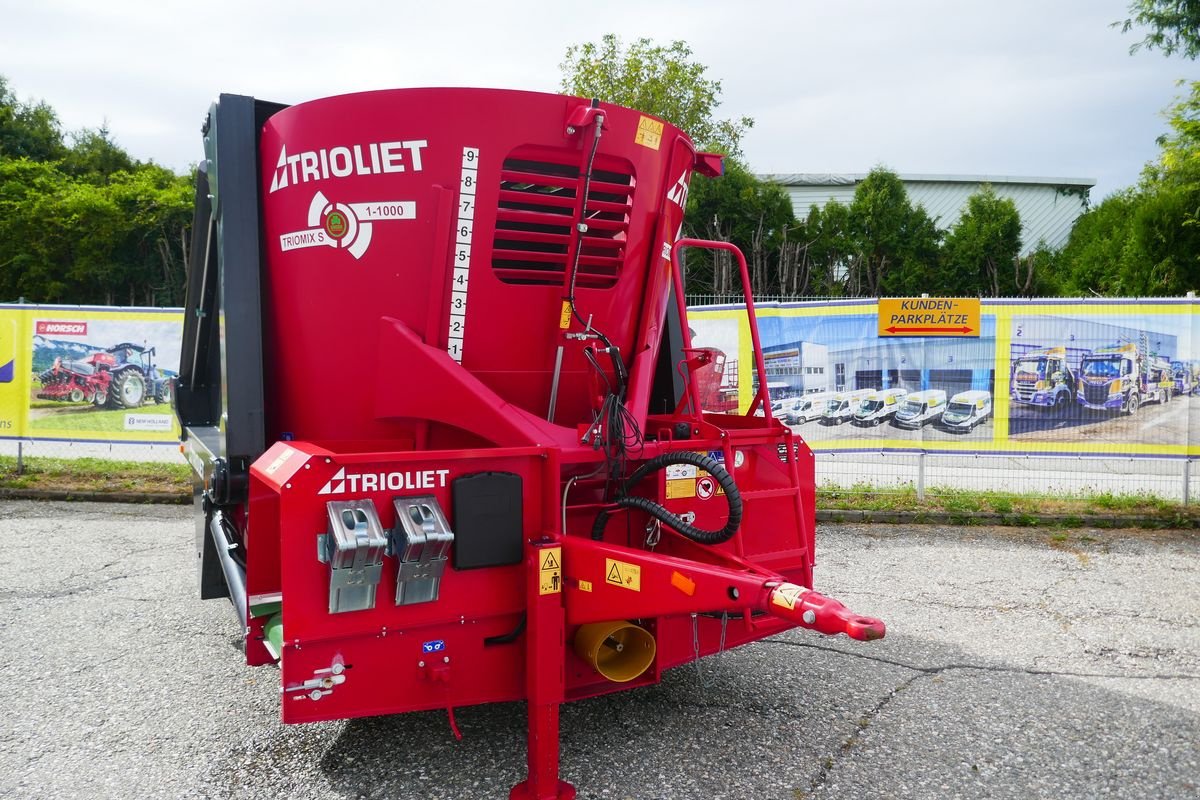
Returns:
<point x="48" y="328"/>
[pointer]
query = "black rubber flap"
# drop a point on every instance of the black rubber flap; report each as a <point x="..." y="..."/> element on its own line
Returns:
<point x="487" y="520"/>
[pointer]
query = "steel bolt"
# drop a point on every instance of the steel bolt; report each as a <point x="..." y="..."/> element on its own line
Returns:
<point x="810" y="617"/>
<point x="734" y="593"/>
<point x="420" y="663"/>
<point x="446" y="659"/>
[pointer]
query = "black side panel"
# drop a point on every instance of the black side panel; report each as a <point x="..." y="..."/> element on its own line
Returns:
<point x="198" y="390"/>
<point x="668" y="385"/>
<point x="487" y="520"/>
<point x="224" y="301"/>
<point x="234" y="181"/>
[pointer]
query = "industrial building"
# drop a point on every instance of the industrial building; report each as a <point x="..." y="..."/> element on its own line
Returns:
<point x="1048" y="206"/>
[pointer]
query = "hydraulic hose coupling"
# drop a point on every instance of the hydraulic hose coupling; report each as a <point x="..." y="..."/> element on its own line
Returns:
<point x="822" y="614"/>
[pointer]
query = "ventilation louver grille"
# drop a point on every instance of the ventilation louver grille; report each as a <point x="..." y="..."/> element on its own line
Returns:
<point x="534" y="221"/>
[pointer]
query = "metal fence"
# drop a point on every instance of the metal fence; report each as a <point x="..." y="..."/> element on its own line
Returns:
<point x="856" y="473"/>
<point x="25" y="449"/>
<point x="934" y="474"/>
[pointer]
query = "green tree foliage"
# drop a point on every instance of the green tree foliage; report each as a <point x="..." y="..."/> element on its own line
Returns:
<point x="737" y="207"/>
<point x="86" y="223"/>
<point x="981" y="253"/>
<point x="663" y="81"/>
<point x="28" y="130"/>
<point x="1173" y="26"/>
<point x="1145" y="241"/>
<point x="892" y="244"/>
<point x="95" y="157"/>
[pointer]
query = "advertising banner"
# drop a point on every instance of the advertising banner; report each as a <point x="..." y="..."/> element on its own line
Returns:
<point x="88" y="374"/>
<point x="13" y="379"/>
<point x="1082" y="377"/>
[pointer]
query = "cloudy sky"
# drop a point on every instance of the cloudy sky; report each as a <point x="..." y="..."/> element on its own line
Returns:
<point x="1020" y="87"/>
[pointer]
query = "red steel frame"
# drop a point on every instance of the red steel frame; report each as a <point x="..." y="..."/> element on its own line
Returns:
<point x="415" y="410"/>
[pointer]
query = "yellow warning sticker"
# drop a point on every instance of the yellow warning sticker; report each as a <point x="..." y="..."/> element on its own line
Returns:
<point x="564" y="317"/>
<point x="585" y="586"/>
<point x="623" y="574"/>
<point x="649" y="133"/>
<point x="550" y="571"/>
<point x="681" y="487"/>
<point x="787" y="595"/>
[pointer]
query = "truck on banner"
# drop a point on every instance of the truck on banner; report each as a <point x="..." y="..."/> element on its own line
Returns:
<point x="88" y="373"/>
<point x="1077" y="377"/>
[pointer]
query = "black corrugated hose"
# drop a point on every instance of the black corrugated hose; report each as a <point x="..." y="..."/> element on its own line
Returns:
<point x="732" y="496"/>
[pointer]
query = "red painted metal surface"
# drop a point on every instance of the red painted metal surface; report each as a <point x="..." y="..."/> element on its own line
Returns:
<point x="392" y="217"/>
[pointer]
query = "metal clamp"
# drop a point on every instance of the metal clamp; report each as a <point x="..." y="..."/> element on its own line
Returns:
<point x="354" y="549"/>
<point x="421" y="541"/>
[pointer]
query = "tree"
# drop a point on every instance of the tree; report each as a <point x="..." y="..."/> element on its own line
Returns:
<point x="1174" y="26"/>
<point x="830" y="245"/>
<point x="85" y="223"/>
<point x="95" y="157"/>
<point x="982" y="249"/>
<point x="28" y="130"/>
<point x="663" y="81"/>
<point x="738" y="208"/>
<point x="892" y="245"/>
<point x="1146" y="240"/>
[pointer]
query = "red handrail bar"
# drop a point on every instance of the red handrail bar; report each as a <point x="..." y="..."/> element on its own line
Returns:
<point x="762" y="395"/>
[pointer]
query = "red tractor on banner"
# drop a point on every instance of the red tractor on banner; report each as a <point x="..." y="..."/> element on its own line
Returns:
<point x="122" y="376"/>
<point x="513" y="485"/>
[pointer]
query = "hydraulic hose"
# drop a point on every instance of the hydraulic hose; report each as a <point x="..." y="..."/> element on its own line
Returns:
<point x="732" y="496"/>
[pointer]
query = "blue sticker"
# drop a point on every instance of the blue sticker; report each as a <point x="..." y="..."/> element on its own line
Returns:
<point x="717" y="455"/>
<point x="436" y="646"/>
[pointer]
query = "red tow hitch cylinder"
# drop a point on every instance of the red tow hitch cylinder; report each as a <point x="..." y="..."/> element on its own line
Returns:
<point x="822" y="614"/>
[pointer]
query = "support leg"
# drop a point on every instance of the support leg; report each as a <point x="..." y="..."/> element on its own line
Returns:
<point x="545" y="633"/>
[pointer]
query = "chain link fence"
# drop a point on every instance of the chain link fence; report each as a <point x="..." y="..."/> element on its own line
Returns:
<point x="1050" y="477"/>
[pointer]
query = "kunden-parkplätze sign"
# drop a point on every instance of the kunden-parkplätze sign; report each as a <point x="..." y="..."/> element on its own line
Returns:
<point x="929" y="316"/>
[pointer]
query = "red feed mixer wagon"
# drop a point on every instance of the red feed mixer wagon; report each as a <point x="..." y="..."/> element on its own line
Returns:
<point x="441" y="398"/>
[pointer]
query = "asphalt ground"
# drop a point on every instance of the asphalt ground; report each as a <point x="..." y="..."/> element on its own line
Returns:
<point x="1018" y="664"/>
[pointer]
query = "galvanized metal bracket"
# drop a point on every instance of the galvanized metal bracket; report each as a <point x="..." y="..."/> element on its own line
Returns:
<point x="421" y="541"/>
<point x="353" y="548"/>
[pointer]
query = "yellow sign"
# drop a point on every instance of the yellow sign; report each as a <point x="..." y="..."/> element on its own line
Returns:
<point x="649" y="133"/>
<point x="585" y="586"/>
<point x="929" y="316"/>
<point x="623" y="574"/>
<point x="564" y="317"/>
<point x="550" y="571"/>
<point x="787" y="595"/>
<point x="681" y="487"/>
